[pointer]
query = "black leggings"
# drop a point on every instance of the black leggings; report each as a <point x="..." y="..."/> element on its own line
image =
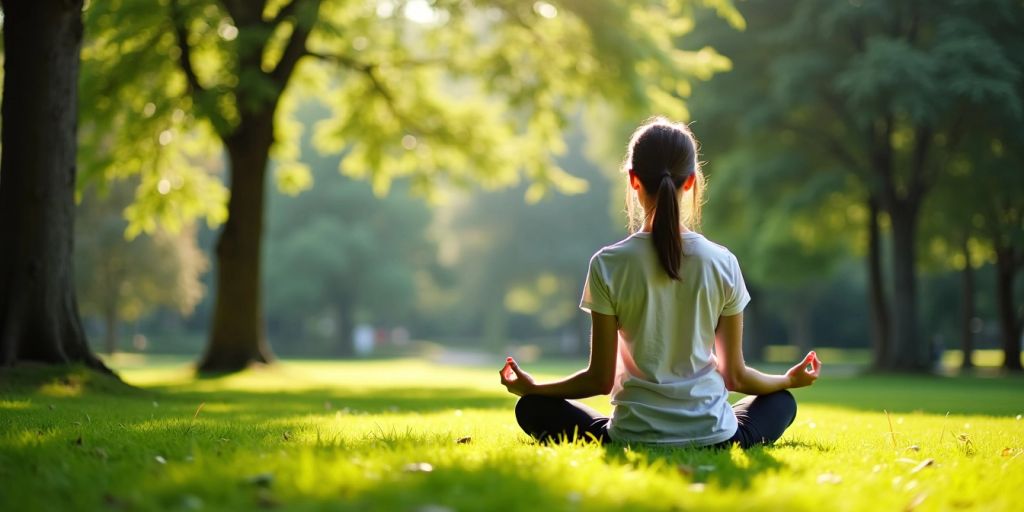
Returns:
<point x="762" y="419"/>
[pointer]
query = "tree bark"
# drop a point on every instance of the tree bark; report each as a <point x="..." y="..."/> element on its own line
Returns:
<point x="878" y="307"/>
<point x="237" y="338"/>
<point x="346" y="329"/>
<point x="110" y="321"/>
<point x="967" y="309"/>
<point x="907" y="353"/>
<point x="39" y="318"/>
<point x="1010" y="325"/>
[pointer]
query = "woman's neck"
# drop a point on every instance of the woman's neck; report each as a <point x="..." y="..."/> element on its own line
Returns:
<point x="649" y="227"/>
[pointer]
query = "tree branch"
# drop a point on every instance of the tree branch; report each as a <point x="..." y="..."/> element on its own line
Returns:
<point x="282" y="13"/>
<point x="201" y="96"/>
<point x="296" y="46"/>
<point x="919" y="182"/>
<point x="185" y="51"/>
<point x="370" y="71"/>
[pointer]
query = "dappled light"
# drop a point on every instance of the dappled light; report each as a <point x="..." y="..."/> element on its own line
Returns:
<point x="460" y="255"/>
<point x="323" y="434"/>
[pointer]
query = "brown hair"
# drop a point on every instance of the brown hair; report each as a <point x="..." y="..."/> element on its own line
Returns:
<point x="663" y="155"/>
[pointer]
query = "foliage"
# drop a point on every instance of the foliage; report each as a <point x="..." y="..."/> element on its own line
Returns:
<point x="338" y="250"/>
<point x="839" y="104"/>
<point x="510" y="259"/>
<point x="122" y="279"/>
<point x="336" y="435"/>
<point x="406" y="97"/>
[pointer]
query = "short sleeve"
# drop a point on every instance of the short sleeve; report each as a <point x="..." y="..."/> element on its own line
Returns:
<point x="736" y="295"/>
<point x="596" y="297"/>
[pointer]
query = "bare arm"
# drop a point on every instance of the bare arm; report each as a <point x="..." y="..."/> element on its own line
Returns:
<point x="596" y="379"/>
<point x="743" y="379"/>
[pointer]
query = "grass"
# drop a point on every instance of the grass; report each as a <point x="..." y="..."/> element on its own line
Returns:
<point x="408" y="435"/>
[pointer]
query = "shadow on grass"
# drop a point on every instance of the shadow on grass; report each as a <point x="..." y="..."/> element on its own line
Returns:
<point x="727" y="467"/>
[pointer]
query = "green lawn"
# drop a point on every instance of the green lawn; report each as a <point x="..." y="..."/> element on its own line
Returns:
<point x="408" y="435"/>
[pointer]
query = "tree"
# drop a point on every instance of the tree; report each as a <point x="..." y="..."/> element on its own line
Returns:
<point x="996" y="163"/>
<point x="38" y="312"/>
<point x="410" y="98"/>
<point x="778" y="204"/>
<point x="121" y="279"/>
<point x="882" y="89"/>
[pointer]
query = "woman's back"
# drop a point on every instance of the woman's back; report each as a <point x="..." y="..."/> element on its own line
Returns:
<point x="667" y="389"/>
<point x="664" y="303"/>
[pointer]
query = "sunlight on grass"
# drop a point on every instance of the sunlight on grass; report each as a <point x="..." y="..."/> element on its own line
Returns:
<point x="407" y="435"/>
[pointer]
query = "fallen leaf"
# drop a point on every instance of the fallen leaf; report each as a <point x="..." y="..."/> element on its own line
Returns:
<point x="685" y="469"/>
<point x="829" y="478"/>
<point x="915" y="502"/>
<point x="261" y="479"/>
<point x="286" y="435"/>
<point x="924" y="463"/>
<point x="418" y="467"/>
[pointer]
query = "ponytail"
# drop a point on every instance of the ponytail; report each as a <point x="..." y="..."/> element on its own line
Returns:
<point x="663" y="156"/>
<point x="665" y="226"/>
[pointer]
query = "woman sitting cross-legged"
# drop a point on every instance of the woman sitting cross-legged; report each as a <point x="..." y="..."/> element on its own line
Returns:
<point x="667" y="311"/>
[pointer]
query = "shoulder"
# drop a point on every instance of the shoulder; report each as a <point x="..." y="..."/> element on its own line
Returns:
<point x="610" y="253"/>
<point x="714" y="253"/>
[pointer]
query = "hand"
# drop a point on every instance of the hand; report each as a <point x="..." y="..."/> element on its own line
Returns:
<point x="515" y="380"/>
<point x="801" y="376"/>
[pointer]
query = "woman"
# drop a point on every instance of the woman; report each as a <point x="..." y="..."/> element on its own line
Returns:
<point x="667" y="312"/>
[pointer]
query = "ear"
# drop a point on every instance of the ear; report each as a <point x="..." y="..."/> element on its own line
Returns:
<point x="634" y="180"/>
<point x="688" y="184"/>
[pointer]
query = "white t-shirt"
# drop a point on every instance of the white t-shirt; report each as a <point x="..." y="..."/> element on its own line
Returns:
<point x="667" y="389"/>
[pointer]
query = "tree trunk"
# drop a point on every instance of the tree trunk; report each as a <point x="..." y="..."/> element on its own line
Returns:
<point x="110" y="321"/>
<point x="237" y="338"/>
<point x="907" y="353"/>
<point x="879" y="309"/>
<point x="346" y="330"/>
<point x="1010" y="325"/>
<point x="754" y="339"/>
<point x="39" y="318"/>
<point x="967" y="309"/>
<point x="800" y="324"/>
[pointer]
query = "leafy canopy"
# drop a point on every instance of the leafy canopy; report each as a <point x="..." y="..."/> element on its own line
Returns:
<point x="466" y="92"/>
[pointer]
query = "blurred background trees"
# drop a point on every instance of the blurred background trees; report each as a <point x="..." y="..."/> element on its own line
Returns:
<point x="444" y="169"/>
<point x="122" y="279"/>
<point x="879" y="99"/>
<point x="407" y="99"/>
